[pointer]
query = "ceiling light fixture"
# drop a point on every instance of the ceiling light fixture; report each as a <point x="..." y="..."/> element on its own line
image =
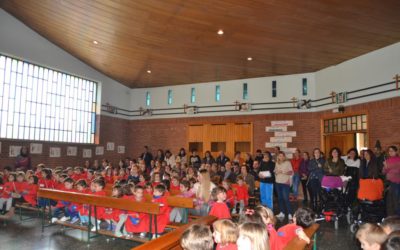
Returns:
<point x="95" y="42"/>
<point x="249" y="59"/>
<point x="220" y="32"/>
<point x="148" y="71"/>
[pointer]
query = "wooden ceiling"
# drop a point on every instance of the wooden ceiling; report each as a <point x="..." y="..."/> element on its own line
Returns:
<point x="177" y="39"/>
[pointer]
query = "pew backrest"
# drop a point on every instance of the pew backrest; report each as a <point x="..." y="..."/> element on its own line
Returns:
<point x="298" y="244"/>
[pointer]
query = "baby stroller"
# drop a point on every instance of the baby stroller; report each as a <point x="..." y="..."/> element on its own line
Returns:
<point x="334" y="203"/>
<point x="371" y="208"/>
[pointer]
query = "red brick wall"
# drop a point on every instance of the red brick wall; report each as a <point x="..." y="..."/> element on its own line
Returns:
<point x="111" y="130"/>
<point x="383" y="120"/>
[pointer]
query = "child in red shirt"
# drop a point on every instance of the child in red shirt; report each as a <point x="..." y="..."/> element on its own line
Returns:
<point x="83" y="209"/>
<point x="111" y="215"/>
<point x="174" y="186"/>
<point x="269" y="220"/>
<point x="242" y="195"/>
<point x="6" y="192"/>
<point x="20" y="184"/>
<point x="65" y="206"/>
<point x="219" y="209"/>
<point x="178" y="214"/>
<point x="148" y="188"/>
<point x="225" y="235"/>
<point x="303" y="218"/>
<point x="163" y="218"/>
<point x="30" y="192"/>
<point x="137" y="222"/>
<point x="230" y="195"/>
<point x="98" y="186"/>
<point x="156" y="179"/>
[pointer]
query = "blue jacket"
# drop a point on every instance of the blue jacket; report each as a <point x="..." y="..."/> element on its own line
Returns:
<point x="316" y="169"/>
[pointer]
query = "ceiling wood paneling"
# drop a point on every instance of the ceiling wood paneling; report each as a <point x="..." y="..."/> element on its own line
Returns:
<point x="177" y="39"/>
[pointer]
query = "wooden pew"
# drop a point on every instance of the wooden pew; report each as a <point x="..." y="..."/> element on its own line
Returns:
<point x="171" y="240"/>
<point x="297" y="244"/>
<point x="152" y="209"/>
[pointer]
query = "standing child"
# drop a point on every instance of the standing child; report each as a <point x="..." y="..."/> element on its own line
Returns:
<point x="30" y="193"/>
<point x="219" y="209"/>
<point x="225" y="235"/>
<point x="136" y="222"/>
<point x="242" y="195"/>
<point x="371" y="236"/>
<point x="303" y="218"/>
<point x="163" y="218"/>
<point x="252" y="236"/>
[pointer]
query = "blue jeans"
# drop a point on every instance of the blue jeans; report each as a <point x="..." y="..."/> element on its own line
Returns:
<point x="295" y="185"/>
<point x="267" y="194"/>
<point x="283" y="198"/>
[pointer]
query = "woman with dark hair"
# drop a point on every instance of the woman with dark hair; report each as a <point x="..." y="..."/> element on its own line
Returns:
<point x="160" y="155"/>
<point x="248" y="160"/>
<point x="170" y="159"/>
<point x="267" y="179"/>
<point x="316" y="172"/>
<point x="208" y="158"/>
<point x="369" y="166"/>
<point x="182" y="155"/>
<point x="334" y="165"/>
<point x="23" y="161"/>
<point x="392" y="171"/>
<point x="352" y="162"/>
<point x="303" y="173"/>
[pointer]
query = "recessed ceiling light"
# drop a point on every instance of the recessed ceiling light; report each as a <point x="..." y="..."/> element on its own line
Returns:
<point x="220" y="32"/>
<point x="95" y="42"/>
<point x="148" y="71"/>
<point x="249" y="58"/>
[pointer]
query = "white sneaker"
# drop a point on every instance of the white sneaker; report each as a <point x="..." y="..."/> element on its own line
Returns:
<point x="64" y="218"/>
<point x="280" y="215"/>
<point x="142" y="235"/>
<point x="93" y="229"/>
<point x="155" y="236"/>
<point x="290" y="217"/>
<point x="54" y="220"/>
<point x="234" y="211"/>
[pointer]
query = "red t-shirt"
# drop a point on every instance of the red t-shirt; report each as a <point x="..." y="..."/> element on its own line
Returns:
<point x="20" y="186"/>
<point x="287" y="233"/>
<point x="220" y="210"/>
<point x="242" y="193"/>
<point x="31" y="194"/>
<point x="230" y="246"/>
<point x="296" y="164"/>
<point x="172" y="187"/>
<point x="230" y="197"/>
<point x="274" y="241"/>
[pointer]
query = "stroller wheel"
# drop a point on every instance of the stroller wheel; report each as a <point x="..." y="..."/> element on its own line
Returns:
<point x="354" y="228"/>
<point x="336" y="223"/>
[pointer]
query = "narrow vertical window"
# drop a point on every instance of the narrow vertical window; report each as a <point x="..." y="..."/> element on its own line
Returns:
<point x="304" y="86"/>
<point x="169" y="96"/>
<point x="148" y="98"/>
<point x="217" y="93"/>
<point x="245" y="92"/>
<point x="193" y="95"/>
<point x="273" y="88"/>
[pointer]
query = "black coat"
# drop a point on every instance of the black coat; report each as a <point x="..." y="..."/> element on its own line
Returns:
<point x="369" y="170"/>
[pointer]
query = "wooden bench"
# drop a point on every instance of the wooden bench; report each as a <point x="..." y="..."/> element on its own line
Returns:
<point x="28" y="207"/>
<point x="171" y="240"/>
<point x="297" y="244"/>
<point x="152" y="209"/>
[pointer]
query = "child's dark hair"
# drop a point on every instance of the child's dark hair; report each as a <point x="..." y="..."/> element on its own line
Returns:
<point x="119" y="191"/>
<point x="239" y="178"/>
<point x="35" y="179"/>
<point x="148" y="184"/>
<point x="8" y="168"/>
<point x="160" y="188"/>
<point x="69" y="180"/>
<point x="100" y="182"/>
<point x="216" y="191"/>
<point x="186" y="184"/>
<point x="81" y="183"/>
<point x="48" y="173"/>
<point x="305" y="217"/>
<point x="251" y="216"/>
<point x="137" y="187"/>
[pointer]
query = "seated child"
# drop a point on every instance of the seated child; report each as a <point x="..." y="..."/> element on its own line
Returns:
<point x="252" y="236"/>
<point x="156" y="179"/>
<point x="174" y="186"/>
<point x="111" y="215"/>
<point x="30" y="192"/>
<point x="219" y="209"/>
<point x="180" y="214"/>
<point x="242" y="195"/>
<point x="148" y="188"/>
<point x="65" y="206"/>
<point x="19" y="187"/>
<point x="371" y="236"/>
<point x="163" y="217"/>
<point x="269" y="220"/>
<point x="98" y="188"/>
<point x="134" y="174"/>
<point x="303" y="218"/>
<point x="136" y="222"/>
<point x="225" y="234"/>
<point x="6" y="190"/>
<point x="197" y="237"/>
<point x="230" y="195"/>
<point x="391" y="224"/>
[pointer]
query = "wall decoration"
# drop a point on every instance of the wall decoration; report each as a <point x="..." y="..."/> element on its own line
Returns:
<point x="276" y="129"/>
<point x="287" y="133"/>
<point x="110" y="146"/>
<point x="87" y="153"/>
<point x="121" y="149"/>
<point x="36" y="148"/>
<point x="14" y="151"/>
<point x="55" y="152"/>
<point x="99" y="150"/>
<point x="72" y="151"/>
<point x="276" y="144"/>
<point x="281" y="123"/>
<point x="288" y="150"/>
<point x="281" y="139"/>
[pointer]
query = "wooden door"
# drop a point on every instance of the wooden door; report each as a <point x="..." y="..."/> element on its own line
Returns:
<point x="342" y="141"/>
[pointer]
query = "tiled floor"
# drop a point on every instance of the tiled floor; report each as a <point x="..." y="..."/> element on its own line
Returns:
<point x="28" y="235"/>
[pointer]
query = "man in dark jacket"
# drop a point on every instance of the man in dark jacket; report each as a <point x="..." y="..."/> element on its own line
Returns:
<point x="147" y="157"/>
<point x="222" y="159"/>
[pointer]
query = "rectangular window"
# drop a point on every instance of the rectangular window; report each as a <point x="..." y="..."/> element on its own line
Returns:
<point x="273" y="88"/>
<point x="305" y="87"/>
<point x="217" y="93"/>
<point x="193" y="95"/>
<point x="38" y="103"/>
<point x="245" y="93"/>
<point x="169" y="96"/>
<point x="148" y="99"/>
